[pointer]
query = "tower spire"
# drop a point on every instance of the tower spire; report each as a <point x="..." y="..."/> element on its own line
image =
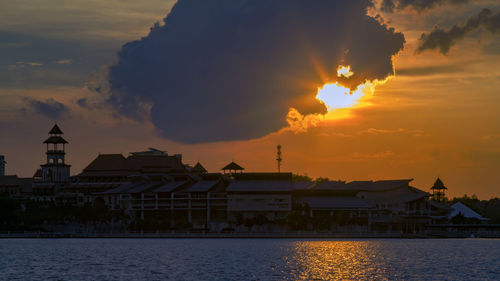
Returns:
<point x="278" y="157"/>
<point x="55" y="169"/>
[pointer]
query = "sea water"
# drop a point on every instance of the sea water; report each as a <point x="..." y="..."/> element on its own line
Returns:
<point x="249" y="259"/>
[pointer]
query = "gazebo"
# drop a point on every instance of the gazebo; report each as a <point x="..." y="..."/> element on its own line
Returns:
<point x="438" y="190"/>
<point x="232" y="168"/>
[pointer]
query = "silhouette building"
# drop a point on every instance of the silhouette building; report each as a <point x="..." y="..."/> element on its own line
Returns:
<point x="55" y="169"/>
<point x="54" y="175"/>
<point x="438" y="191"/>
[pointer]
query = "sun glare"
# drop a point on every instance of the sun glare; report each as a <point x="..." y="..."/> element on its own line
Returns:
<point x="344" y="71"/>
<point x="338" y="100"/>
<point x="336" y="96"/>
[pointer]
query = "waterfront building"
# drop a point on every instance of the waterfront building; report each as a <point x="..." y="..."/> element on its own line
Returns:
<point x="108" y="171"/>
<point x="158" y="189"/>
<point x="259" y="198"/>
<point x="385" y="205"/>
<point x="181" y="200"/>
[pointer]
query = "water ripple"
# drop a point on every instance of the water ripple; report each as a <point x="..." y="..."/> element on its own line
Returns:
<point x="248" y="259"/>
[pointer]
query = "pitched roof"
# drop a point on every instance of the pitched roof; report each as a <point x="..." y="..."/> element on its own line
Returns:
<point x="170" y="186"/>
<point x="356" y="186"/>
<point x="334" y="202"/>
<point x="55" y="130"/>
<point x="55" y="139"/>
<point x="117" y="164"/>
<point x="259" y="186"/>
<point x="263" y="176"/>
<point x="460" y="208"/>
<point x="402" y="194"/>
<point x="438" y="184"/>
<point x="202" y="186"/>
<point x="107" y="162"/>
<point x="198" y="168"/>
<point x="233" y="166"/>
<point x="122" y="188"/>
<point x="154" y="163"/>
<point x="143" y="187"/>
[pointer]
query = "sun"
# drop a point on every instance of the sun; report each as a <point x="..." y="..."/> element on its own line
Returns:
<point x="336" y="96"/>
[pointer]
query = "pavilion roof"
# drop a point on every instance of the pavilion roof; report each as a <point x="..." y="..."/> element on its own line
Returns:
<point x="438" y="184"/>
<point x="56" y="130"/>
<point x="55" y="139"/>
<point x="233" y="166"/>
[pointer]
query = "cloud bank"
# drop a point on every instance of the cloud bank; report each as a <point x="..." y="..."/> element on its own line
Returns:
<point x="443" y="39"/>
<point x="50" y="108"/>
<point x="232" y="69"/>
<point x="419" y="5"/>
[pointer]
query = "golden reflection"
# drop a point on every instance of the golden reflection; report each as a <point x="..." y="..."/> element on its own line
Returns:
<point x="336" y="260"/>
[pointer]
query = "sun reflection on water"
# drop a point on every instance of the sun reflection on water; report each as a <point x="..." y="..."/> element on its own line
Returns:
<point x="335" y="260"/>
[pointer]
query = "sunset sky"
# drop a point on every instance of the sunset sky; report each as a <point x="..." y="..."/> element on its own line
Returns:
<point x="229" y="80"/>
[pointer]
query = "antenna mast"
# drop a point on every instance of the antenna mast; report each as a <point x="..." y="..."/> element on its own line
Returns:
<point x="278" y="158"/>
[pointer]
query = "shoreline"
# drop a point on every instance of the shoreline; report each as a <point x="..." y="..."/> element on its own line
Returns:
<point x="45" y="235"/>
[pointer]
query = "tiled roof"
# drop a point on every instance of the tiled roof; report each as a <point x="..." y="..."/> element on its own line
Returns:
<point x="334" y="202"/>
<point x="110" y="164"/>
<point x="259" y="186"/>
<point x="142" y="162"/>
<point x="202" y="186"/>
<point x="398" y="195"/>
<point x="143" y="187"/>
<point x="122" y="188"/>
<point x="263" y="176"/>
<point x="107" y="162"/>
<point x="356" y="186"/>
<point x="170" y="186"/>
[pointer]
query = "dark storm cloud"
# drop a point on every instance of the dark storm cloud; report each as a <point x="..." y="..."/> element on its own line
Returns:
<point x="418" y="5"/>
<point x="231" y="69"/>
<point x="443" y="39"/>
<point x="50" y="108"/>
